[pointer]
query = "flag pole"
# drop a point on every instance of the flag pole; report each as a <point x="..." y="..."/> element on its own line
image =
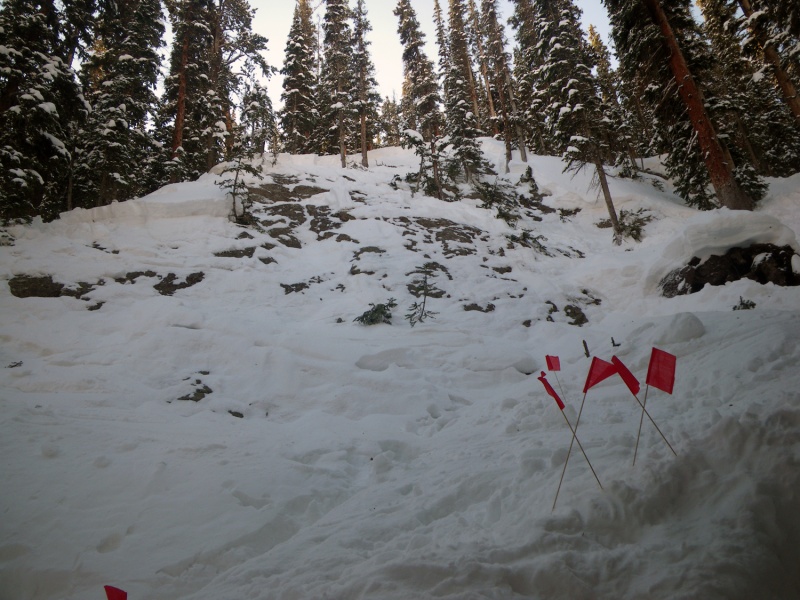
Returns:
<point x="575" y="439"/>
<point x="641" y="420"/>
<point x="571" y="442"/>
<point x="645" y="412"/>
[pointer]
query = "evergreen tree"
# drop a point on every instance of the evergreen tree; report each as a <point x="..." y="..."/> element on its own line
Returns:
<point x="364" y="93"/>
<point x="459" y="99"/>
<point x="187" y="102"/>
<point x="576" y="113"/>
<point x="771" y="39"/>
<point x="336" y="82"/>
<point x="298" y="116"/>
<point x="258" y="123"/>
<point x="40" y="106"/>
<point x="476" y="35"/>
<point x="420" y="96"/>
<point x="661" y="43"/>
<point x="119" y="78"/>
<point x="526" y="65"/>
<point x="390" y="123"/>
<point x="502" y="83"/>
<point x="752" y="115"/>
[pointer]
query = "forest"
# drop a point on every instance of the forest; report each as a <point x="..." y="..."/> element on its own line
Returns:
<point x="89" y="115"/>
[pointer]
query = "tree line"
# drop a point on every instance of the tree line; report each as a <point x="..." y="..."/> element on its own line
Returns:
<point x="81" y="123"/>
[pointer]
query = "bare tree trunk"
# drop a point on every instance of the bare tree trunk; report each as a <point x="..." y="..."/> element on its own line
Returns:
<point x="364" y="158"/>
<point x="484" y="67"/>
<point x="720" y="170"/>
<point x="523" y="154"/>
<point x="789" y="91"/>
<point x="612" y="212"/>
<point x="180" y="108"/>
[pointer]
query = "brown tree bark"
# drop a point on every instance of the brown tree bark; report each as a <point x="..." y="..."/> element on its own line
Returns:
<point x="720" y="170"/>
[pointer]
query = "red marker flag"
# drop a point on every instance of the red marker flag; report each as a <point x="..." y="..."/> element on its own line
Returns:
<point x="599" y="371"/>
<point x="115" y="593"/>
<point x="627" y="376"/>
<point x="553" y="364"/>
<point x="661" y="372"/>
<point x="549" y="389"/>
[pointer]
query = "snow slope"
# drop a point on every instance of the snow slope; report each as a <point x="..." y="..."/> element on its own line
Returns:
<point x="333" y="460"/>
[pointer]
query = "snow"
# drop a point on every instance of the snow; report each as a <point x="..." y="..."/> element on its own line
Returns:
<point x="392" y="462"/>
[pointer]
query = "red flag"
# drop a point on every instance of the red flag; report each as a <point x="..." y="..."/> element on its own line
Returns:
<point x="627" y="376"/>
<point x="549" y="389"/>
<point x="661" y="372"/>
<point x="599" y="371"/>
<point x="115" y="593"/>
<point x="553" y="364"/>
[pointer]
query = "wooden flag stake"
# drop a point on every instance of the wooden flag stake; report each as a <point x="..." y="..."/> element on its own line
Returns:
<point x="644" y="412"/>
<point x="575" y="439"/>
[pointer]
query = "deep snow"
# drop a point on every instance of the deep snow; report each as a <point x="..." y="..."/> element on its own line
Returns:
<point x="391" y="462"/>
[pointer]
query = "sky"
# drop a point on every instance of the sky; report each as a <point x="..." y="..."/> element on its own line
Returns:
<point x="274" y="18"/>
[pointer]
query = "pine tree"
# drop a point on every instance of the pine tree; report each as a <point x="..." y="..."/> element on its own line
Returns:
<point x="773" y="40"/>
<point x="662" y="44"/>
<point x="186" y="106"/>
<point x="503" y="84"/>
<point x="119" y="78"/>
<point x="364" y="92"/>
<point x="41" y="106"/>
<point x="420" y="96"/>
<point x="459" y="99"/>
<point x="297" y="118"/>
<point x="476" y="35"/>
<point x="258" y="123"/>
<point x="526" y="65"/>
<point x="390" y="125"/>
<point x="578" y="117"/>
<point x="336" y="82"/>
<point x="752" y="115"/>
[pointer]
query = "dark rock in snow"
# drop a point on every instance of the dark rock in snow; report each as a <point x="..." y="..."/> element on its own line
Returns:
<point x="764" y="263"/>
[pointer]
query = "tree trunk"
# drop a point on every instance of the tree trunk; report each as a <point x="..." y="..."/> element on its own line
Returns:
<point x="523" y="154"/>
<point x="612" y="213"/>
<point x="180" y="108"/>
<point x="484" y="69"/>
<point x="788" y="89"/>
<point x="364" y="158"/>
<point x="720" y="171"/>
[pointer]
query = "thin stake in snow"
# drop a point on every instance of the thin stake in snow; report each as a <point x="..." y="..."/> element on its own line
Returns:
<point x="661" y="375"/>
<point x="549" y="389"/>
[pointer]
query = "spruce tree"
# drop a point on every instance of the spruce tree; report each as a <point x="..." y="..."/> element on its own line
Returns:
<point x="752" y="114"/>
<point x="390" y="126"/>
<point x="459" y="98"/>
<point x="41" y="106"/>
<point x="336" y="81"/>
<point x="186" y="107"/>
<point x="420" y="97"/>
<point x="364" y="91"/>
<point x="772" y="40"/>
<point x="580" y="121"/>
<point x="502" y="82"/>
<point x="297" y="118"/>
<point x="477" y="39"/>
<point x="119" y="78"/>
<point x="526" y="65"/>
<point x="661" y="42"/>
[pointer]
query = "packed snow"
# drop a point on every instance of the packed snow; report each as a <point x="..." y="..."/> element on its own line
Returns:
<point x="327" y="459"/>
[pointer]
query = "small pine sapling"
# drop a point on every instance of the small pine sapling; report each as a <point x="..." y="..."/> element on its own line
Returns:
<point x="233" y="181"/>
<point x="378" y="313"/>
<point x="418" y="312"/>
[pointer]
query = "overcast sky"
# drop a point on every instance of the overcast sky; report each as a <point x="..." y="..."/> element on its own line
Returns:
<point x="274" y="17"/>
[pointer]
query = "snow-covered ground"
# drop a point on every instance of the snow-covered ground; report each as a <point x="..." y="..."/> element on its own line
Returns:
<point x="334" y="460"/>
